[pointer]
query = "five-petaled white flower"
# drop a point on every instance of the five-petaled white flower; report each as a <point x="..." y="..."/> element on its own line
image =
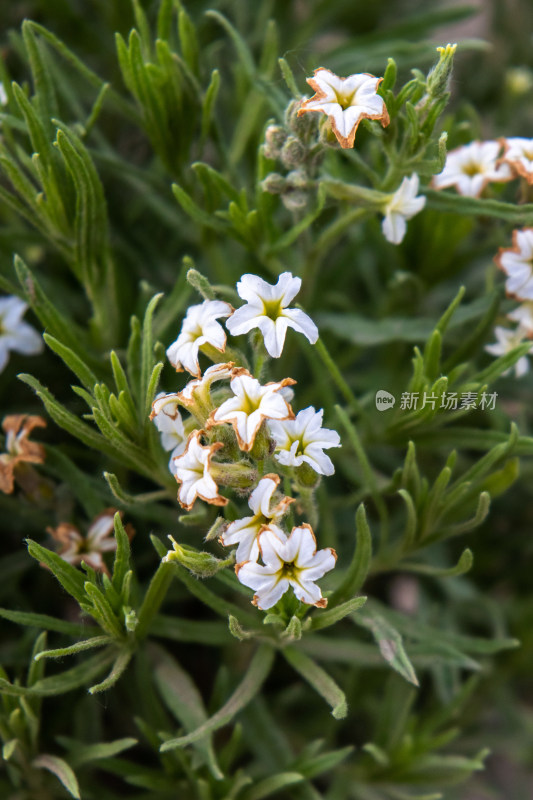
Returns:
<point x="292" y="561"/>
<point x="304" y="439"/>
<point x="251" y="404"/>
<point x="518" y="153"/>
<point x="346" y="101"/>
<point x="523" y="314"/>
<point x="471" y="167"/>
<point x="245" y="531"/>
<point x="192" y="471"/>
<point x="14" y="333"/>
<point x="266" y="309"/>
<point x="508" y="339"/>
<point x="167" y="419"/>
<point x="517" y="263"/>
<point x="199" y="327"/>
<point x="401" y="206"/>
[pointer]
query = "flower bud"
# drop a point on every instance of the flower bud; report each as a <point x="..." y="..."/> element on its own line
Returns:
<point x="302" y="126"/>
<point x="201" y="564"/>
<point x="239" y="476"/>
<point x="274" y="183"/>
<point x="275" y="137"/>
<point x="438" y="79"/>
<point x="292" y="153"/>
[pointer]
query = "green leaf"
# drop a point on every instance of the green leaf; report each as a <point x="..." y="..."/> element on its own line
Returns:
<point x="471" y="206"/>
<point x="62" y="771"/>
<point x="463" y="566"/>
<point x="183" y="699"/>
<point x="319" y="680"/>
<point x="48" y="623"/>
<point x="73" y="362"/>
<point x="390" y="643"/>
<point x="271" y="785"/>
<point x="87" y="753"/>
<point x="68" y="576"/>
<point x="62" y="682"/>
<point x="317" y="764"/>
<point x="333" y="615"/>
<point x="359" y="566"/>
<point x="122" y="556"/>
<point x="119" y="667"/>
<point x="208" y="105"/>
<point x="371" y="333"/>
<point x="244" y="54"/>
<point x="257" y="672"/>
<point x="87" y="644"/>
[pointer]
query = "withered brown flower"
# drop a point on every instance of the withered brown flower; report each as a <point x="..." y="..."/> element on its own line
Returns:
<point x="19" y="449"/>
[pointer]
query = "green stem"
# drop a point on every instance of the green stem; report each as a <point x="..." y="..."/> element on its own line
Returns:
<point x="338" y="379"/>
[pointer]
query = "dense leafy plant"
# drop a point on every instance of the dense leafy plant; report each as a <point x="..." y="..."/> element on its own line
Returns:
<point x="139" y="187"/>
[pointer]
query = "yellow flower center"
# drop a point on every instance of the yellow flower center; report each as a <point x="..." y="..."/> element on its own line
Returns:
<point x="345" y="99"/>
<point x="290" y="570"/>
<point x="472" y="168"/>
<point x="272" y="309"/>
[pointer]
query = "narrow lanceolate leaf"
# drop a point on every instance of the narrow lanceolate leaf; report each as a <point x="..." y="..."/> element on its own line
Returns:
<point x="122" y="556"/>
<point x="360" y="563"/>
<point x="45" y="622"/>
<point x="390" y="644"/>
<point x="183" y="699"/>
<point x="84" y="754"/>
<point x="68" y="576"/>
<point x="271" y="785"/>
<point x="120" y="665"/>
<point x="319" y="680"/>
<point x="333" y="615"/>
<point x="86" y="644"/>
<point x="63" y="682"/>
<point x="62" y="771"/>
<point x="73" y="362"/>
<point x="256" y="674"/>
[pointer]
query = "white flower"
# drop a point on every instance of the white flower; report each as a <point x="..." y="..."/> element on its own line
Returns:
<point x="519" y="155"/>
<point x="251" y="404"/>
<point x="76" y="548"/>
<point x="244" y="532"/>
<point x="14" y="333"/>
<point x="3" y="95"/>
<point x="517" y="263"/>
<point x="199" y="386"/>
<point x="192" y="472"/>
<point x="304" y="439"/>
<point x="507" y="340"/>
<point x="523" y="314"/>
<point x="292" y="561"/>
<point x="167" y="419"/>
<point x="346" y="101"/>
<point x="401" y="206"/>
<point x="471" y="167"/>
<point x="199" y="327"/>
<point x="266" y="309"/>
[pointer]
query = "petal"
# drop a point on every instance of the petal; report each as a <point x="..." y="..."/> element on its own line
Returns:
<point x="266" y="599"/>
<point x="323" y="561"/>
<point x="25" y="339"/>
<point x="252" y="288"/>
<point x="306" y="591"/>
<point x="260" y="499"/>
<point x="301" y="322"/>
<point x="244" y="319"/>
<point x="319" y="461"/>
<point x="394" y="227"/>
<point x="273" y="334"/>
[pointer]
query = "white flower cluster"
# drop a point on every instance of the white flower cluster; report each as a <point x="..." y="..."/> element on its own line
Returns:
<point x="517" y="264"/>
<point x="473" y="166"/>
<point x="239" y="423"/>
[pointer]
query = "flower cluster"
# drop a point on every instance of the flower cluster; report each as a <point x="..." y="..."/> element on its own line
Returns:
<point x="235" y="426"/>
<point x="473" y="166"/>
<point x="517" y="264"/>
